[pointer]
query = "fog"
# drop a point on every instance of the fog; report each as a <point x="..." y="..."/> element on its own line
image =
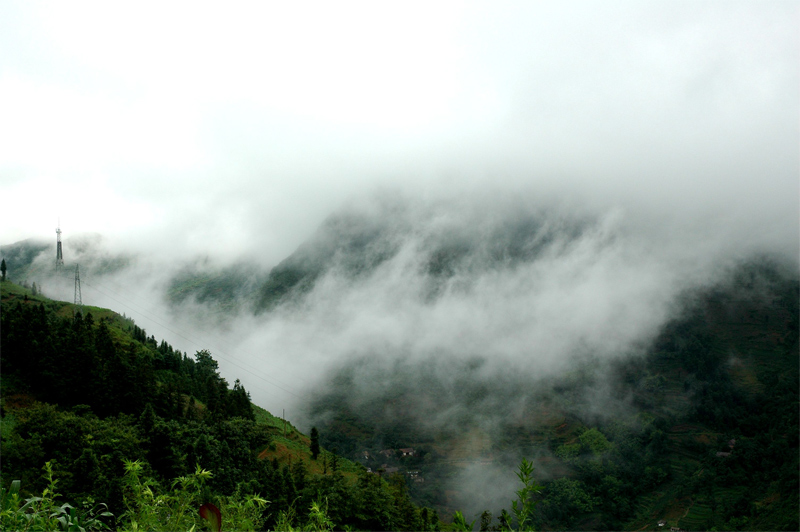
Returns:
<point x="193" y="130"/>
<point x="575" y="169"/>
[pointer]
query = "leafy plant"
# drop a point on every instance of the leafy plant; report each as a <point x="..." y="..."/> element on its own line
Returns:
<point x="524" y="505"/>
<point x="460" y="523"/>
<point x="175" y="510"/>
<point x="318" y="520"/>
<point x="211" y="513"/>
<point x="43" y="513"/>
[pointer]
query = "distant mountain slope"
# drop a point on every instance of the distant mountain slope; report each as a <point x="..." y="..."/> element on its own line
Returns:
<point x="19" y="257"/>
<point x="224" y="289"/>
<point x="33" y="260"/>
<point x="726" y="369"/>
<point x="444" y="240"/>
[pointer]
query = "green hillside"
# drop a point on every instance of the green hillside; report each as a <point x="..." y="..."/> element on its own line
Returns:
<point x="355" y="244"/>
<point x="112" y="413"/>
<point x="226" y="290"/>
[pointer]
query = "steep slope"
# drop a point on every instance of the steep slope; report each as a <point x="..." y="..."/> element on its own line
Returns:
<point x="444" y="240"/>
<point x="726" y="369"/>
<point x="115" y="396"/>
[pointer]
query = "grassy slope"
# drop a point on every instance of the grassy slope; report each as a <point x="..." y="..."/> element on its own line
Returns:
<point x="289" y="445"/>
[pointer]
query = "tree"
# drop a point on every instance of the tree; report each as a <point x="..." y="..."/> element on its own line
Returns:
<point x="3" y="268"/>
<point x="314" y="443"/>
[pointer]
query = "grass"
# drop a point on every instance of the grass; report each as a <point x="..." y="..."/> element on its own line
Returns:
<point x="289" y="445"/>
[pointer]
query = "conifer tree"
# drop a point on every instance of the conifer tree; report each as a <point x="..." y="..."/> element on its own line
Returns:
<point x="314" y="443"/>
<point x="3" y="269"/>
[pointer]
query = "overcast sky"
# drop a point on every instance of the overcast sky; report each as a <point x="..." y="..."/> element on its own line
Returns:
<point x="237" y="128"/>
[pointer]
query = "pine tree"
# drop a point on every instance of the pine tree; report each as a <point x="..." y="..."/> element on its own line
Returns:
<point x="314" y="443"/>
<point x="3" y="269"/>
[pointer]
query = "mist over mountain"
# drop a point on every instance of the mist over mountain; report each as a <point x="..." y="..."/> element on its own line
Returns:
<point x="479" y="230"/>
<point x="523" y="281"/>
<point x="464" y="325"/>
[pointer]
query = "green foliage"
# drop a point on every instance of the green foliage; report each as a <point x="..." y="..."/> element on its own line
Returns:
<point x="568" y="452"/>
<point x="73" y="360"/>
<point x="566" y="500"/>
<point x="594" y="441"/>
<point x="43" y="513"/>
<point x="522" y="508"/>
<point x="314" y="446"/>
<point x="120" y="397"/>
<point x="178" y="508"/>
<point x="524" y="505"/>
<point x="460" y="523"/>
<point x="318" y="518"/>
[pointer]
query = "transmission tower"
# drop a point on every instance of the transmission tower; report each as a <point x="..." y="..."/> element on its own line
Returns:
<point x="59" y="256"/>
<point x="78" y="300"/>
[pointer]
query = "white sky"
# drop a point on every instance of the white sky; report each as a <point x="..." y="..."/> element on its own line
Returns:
<point x="235" y="128"/>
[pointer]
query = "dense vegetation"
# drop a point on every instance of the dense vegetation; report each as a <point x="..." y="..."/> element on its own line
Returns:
<point x="700" y="431"/>
<point x="112" y="415"/>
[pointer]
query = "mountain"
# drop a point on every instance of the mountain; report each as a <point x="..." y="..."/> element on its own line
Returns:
<point x="444" y="243"/>
<point x="650" y="375"/>
<point x="699" y="430"/>
<point x="20" y="257"/>
<point x="113" y="415"/>
<point x="622" y="364"/>
<point x="227" y="289"/>
<point x="33" y="260"/>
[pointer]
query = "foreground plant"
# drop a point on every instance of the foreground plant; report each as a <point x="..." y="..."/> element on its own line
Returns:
<point x="177" y="509"/>
<point x="318" y="520"/>
<point x="43" y="513"/>
<point x="522" y="508"/>
<point x="524" y="505"/>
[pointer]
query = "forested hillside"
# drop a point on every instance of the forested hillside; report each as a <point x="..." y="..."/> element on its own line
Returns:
<point x="113" y="415"/>
<point x="697" y="431"/>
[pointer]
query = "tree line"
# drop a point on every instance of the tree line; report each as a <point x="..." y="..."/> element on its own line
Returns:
<point x="87" y="396"/>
